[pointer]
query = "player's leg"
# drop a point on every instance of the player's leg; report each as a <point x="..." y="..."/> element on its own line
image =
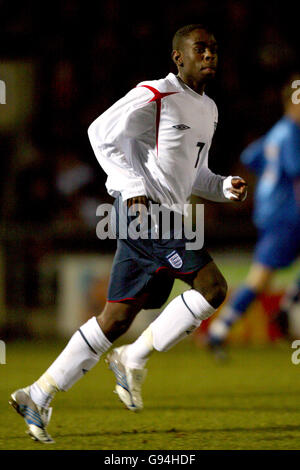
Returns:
<point x="82" y="352"/>
<point x="258" y="279"/>
<point x="85" y="348"/>
<point x="277" y="247"/>
<point x="126" y="298"/>
<point x="129" y="378"/>
<point x="116" y="317"/>
<point x="181" y="316"/>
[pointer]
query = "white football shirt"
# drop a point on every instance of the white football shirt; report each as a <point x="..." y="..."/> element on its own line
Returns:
<point x="155" y="141"/>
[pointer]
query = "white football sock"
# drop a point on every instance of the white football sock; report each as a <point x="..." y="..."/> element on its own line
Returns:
<point x="181" y="316"/>
<point x="43" y="390"/>
<point x="82" y="352"/>
<point x="135" y="355"/>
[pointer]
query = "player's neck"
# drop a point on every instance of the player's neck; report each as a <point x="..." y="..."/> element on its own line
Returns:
<point x="194" y="85"/>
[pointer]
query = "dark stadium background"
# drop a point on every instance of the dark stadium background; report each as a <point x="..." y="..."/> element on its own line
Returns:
<point x="64" y="62"/>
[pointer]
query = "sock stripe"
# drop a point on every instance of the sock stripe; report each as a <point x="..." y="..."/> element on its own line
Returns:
<point x="91" y="348"/>
<point x="188" y="307"/>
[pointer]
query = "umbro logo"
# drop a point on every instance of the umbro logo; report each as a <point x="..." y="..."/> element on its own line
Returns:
<point x="181" y="127"/>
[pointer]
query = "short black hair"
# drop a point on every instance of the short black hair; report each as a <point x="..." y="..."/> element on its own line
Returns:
<point x="184" y="31"/>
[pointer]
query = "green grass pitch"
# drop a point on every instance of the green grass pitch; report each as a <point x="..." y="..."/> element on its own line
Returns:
<point x="191" y="402"/>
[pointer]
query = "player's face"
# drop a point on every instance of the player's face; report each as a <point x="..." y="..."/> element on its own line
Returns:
<point x="199" y="56"/>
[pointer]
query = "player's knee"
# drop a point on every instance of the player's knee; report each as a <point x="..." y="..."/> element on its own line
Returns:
<point x="116" y="323"/>
<point x="211" y="284"/>
<point x="121" y="323"/>
<point x="215" y="292"/>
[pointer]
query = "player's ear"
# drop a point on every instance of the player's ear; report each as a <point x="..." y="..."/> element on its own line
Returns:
<point x="177" y="58"/>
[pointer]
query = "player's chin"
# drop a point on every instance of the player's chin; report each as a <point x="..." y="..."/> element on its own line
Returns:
<point x="208" y="74"/>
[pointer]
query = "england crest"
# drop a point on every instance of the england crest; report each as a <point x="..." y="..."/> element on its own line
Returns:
<point x="175" y="260"/>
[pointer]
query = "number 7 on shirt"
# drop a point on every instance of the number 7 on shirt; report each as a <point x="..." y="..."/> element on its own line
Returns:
<point x="200" y="145"/>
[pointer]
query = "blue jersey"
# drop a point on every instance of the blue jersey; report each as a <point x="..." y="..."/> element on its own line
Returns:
<point x="275" y="158"/>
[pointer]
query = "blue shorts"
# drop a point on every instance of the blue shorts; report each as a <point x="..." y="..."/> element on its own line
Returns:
<point x="278" y="246"/>
<point x="151" y="266"/>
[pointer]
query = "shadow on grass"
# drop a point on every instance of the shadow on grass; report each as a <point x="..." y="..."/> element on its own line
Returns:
<point x="179" y="432"/>
<point x="203" y="408"/>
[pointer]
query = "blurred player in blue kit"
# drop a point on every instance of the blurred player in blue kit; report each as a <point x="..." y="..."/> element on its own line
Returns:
<point x="153" y="144"/>
<point x="275" y="158"/>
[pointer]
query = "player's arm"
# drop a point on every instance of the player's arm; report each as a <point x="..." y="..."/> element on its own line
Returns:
<point x="218" y="188"/>
<point x="129" y="118"/>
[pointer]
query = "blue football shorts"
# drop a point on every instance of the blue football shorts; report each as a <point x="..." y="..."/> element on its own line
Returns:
<point x="278" y="246"/>
<point x="150" y="266"/>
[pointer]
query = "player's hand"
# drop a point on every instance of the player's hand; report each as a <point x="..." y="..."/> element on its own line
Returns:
<point x="138" y="200"/>
<point x="235" y="188"/>
<point x="141" y="204"/>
